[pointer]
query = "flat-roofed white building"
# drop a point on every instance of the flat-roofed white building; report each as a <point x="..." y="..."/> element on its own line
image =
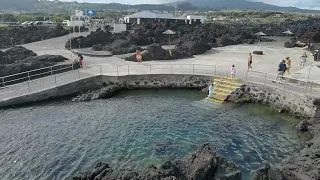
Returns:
<point x="147" y="16"/>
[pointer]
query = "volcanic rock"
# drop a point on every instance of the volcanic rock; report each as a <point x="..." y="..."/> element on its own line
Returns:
<point x="204" y="164"/>
<point x="258" y="52"/>
<point x="21" y="35"/>
<point x="19" y="59"/>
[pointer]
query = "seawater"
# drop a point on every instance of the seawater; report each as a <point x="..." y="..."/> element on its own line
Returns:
<point x="136" y="128"/>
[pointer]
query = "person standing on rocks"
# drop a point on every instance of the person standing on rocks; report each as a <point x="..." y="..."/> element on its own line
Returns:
<point x="281" y="69"/>
<point x="303" y="59"/>
<point x="80" y="60"/>
<point x="250" y="61"/>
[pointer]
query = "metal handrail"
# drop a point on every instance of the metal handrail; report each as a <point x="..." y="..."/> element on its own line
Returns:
<point x="25" y="72"/>
<point x="193" y="67"/>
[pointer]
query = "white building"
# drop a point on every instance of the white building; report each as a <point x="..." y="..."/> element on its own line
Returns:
<point x="147" y="16"/>
<point x="78" y="19"/>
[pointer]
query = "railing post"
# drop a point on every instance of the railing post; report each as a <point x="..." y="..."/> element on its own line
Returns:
<point x="171" y="66"/>
<point x="29" y="75"/>
<point x="305" y="92"/>
<point x="3" y="82"/>
<point x="51" y="70"/>
<point x="29" y="86"/>
<point x="193" y="69"/>
<point x="55" y="80"/>
<point x="311" y="88"/>
<point x="128" y="70"/>
<point x="117" y="70"/>
<point x="215" y="70"/>
<point x="265" y="79"/>
<point x="100" y="69"/>
<point x="150" y="68"/>
<point x="79" y="73"/>
<point x="247" y="75"/>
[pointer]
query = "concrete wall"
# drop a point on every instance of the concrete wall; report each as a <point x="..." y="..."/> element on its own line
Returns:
<point x="63" y="90"/>
<point x="291" y="102"/>
<point x="130" y="81"/>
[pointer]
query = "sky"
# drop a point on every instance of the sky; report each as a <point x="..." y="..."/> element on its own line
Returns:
<point x="308" y="4"/>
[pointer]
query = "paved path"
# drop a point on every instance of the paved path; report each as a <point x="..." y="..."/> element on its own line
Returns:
<point x="218" y="59"/>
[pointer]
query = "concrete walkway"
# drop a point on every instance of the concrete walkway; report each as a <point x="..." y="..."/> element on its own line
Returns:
<point x="216" y="61"/>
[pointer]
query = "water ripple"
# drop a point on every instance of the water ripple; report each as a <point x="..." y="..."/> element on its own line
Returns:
<point x="134" y="129"/>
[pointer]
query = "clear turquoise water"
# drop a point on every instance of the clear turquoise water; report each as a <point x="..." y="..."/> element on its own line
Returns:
<point x="137" y="128"/>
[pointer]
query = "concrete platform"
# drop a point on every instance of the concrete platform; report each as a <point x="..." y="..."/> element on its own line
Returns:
<point x="91" y="53"/>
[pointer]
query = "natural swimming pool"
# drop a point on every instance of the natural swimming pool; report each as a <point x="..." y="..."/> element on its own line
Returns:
<point x="136" y="128"/>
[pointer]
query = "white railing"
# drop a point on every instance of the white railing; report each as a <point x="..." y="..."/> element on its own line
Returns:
<point x="53" y="80"/>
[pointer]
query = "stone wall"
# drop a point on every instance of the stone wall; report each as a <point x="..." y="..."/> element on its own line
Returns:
<point x="114" y="84"/>
<point x="97" y="87"/>
<point x="298" y="105"/>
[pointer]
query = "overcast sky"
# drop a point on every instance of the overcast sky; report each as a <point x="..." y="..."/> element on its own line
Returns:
<point x="310" y="4"/>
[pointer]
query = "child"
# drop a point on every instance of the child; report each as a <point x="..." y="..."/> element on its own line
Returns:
<point x="80" y="60"/>
<point x="233" y="72"/>
<point x="211" y="91"/>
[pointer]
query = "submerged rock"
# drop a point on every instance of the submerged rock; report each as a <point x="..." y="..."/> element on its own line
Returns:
<point x="204" y="164"/>
<point x="102" y="93"/>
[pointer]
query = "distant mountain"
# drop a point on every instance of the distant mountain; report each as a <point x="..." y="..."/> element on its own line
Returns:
<point x="241" y="5"/>
<point x="57" y="6"/>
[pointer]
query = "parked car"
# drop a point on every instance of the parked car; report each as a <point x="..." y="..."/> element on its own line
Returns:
<point x="65" y="22"/>
<point x="38" y="23"/>
<point x="30" y="23"/>
<point x="25" y="23"/>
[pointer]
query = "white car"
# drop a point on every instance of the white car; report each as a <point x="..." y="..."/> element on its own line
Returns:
<point x="65" y="22"/>
<point x="25" y="23"/>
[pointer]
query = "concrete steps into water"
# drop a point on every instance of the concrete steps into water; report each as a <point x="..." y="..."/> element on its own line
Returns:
<point x="223" y="87"/>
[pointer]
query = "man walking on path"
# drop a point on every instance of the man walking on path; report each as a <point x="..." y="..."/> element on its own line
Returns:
<point x="249" y="61"/>
<point x="281" y="69"/>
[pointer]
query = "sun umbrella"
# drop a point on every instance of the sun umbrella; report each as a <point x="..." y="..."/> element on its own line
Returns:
<point x="260" y="34"/>
<point x="288" y="32"/>
<point x="169" y="32"/>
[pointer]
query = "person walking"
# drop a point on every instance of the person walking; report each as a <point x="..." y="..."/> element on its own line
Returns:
<point x="288" y="62"/>
<point x="250" y="61"/>
<point x="233" y="72"/>
<point x="281" y="69"/>
<point x="80" y="60"/>
<point x="304" y="59"/>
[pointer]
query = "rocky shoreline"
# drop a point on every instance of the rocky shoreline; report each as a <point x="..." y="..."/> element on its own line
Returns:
<point x="304" y="165"/>
<point x="204" y="164"/>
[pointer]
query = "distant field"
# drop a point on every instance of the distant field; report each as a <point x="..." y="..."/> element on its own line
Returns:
<point x="3" y="25"/>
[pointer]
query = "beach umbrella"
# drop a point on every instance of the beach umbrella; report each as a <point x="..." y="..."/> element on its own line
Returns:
<point x="259" y="34"/>
<point x="169" y="32"/>
<point x="287" y="32"/>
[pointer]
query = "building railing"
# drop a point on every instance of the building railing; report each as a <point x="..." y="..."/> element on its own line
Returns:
<point x="71" y="74"/>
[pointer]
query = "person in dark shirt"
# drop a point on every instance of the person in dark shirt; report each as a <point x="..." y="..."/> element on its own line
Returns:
<point x="281" y="69"/>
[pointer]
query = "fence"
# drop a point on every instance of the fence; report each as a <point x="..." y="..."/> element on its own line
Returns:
<point x="27" y="82"/>
<point x="35" y="74"/>
<point x="284" y="83"/>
